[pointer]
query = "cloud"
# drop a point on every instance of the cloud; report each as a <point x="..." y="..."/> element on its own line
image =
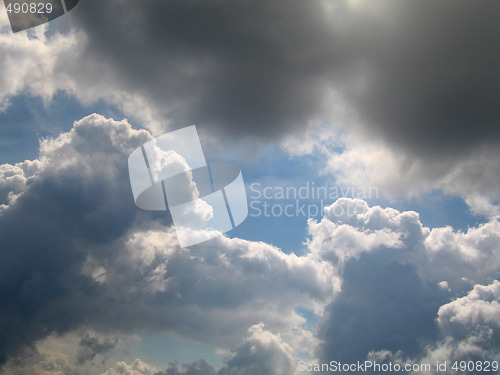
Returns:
<point x="474" y="315"/>
<point x="40" y="363"/>
<point x="392" y="271"/>
<point x="70" y="211"/>
<point x="262" y="353"/>
<point x="259" y="352"/>
<point x="33" y="62"/>
<point x="384" y="305"/>
<point x="468" y="330"/>
<point x="415" y="109"/>
<point x="62" y="354"/>
<point x="391" y="104"/>
<point x="138" y="367"/>
<point x="207" y="70"/>
<point x="378" y="271"/>
<point x="362" y="161"/>
<point x="14" y="179"/>
<point x="350" y="227"/>
<point x="266" y="68"/>
<point x="93" y="260"/>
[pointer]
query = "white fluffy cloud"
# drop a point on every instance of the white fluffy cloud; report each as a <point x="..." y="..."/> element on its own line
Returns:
<point x="392" y="271"/>
<point x="14" y="180"/>
<point x="469" y="330"/>
<point x="261" y="353"/>
<point x="351" y="228"/>
<point x="32" y="62"/>
<point x="474" y="315"/>
<point x="40" y="62"/>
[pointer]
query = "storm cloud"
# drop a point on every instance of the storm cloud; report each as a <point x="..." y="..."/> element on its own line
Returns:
<point x="420" y="75"/>
<point x="411" y="87"/>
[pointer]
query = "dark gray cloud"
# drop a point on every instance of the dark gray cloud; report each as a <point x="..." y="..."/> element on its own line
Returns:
<point x="384" y="305"/>
<point x="230" y="64"/>
<point x="47" y="233"/>
<point x="433" y="77"/>
<point x="421" y="75"/>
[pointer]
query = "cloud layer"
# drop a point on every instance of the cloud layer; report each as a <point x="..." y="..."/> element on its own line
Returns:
<point x="402" y="96"/>
<point x="91" y="260"/>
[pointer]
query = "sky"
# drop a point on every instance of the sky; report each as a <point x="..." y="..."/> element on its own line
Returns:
<point x="367" y="134"/>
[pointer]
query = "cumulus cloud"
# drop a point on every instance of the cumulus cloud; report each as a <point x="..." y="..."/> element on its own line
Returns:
<point x="392" y="271"/>
<point x="262" y="353"/>
<point x="41" y="257"/>
<point x="468" y="332"/>
<point x="92" y="259"/>
<point x="474" y="315"/>
<point x="350" y="227"/>
<point x="14" y="180"/>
